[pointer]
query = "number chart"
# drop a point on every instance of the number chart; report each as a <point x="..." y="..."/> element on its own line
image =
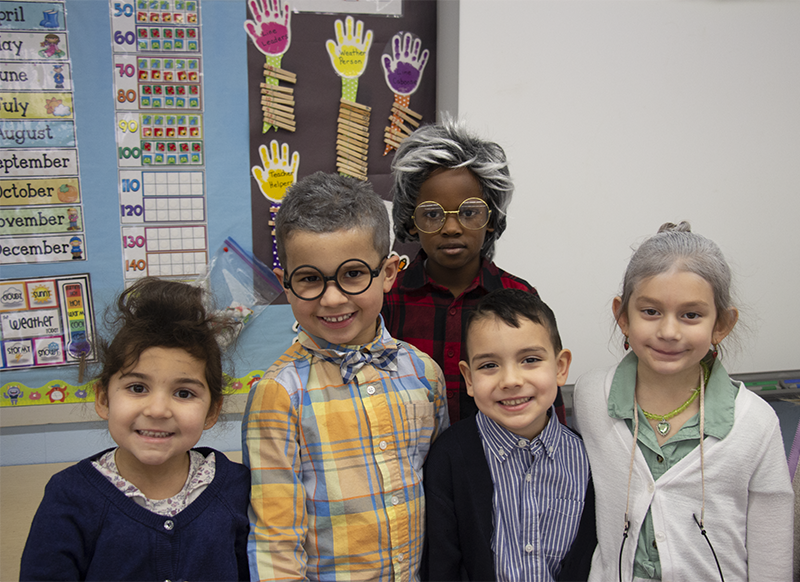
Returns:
<point x="159" y="136"/>
<point x="161" y="197"/>
<point x="166" y="251"/>
<point x="158" y="83"/>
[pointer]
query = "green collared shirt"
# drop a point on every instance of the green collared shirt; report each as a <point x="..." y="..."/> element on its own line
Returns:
<point x="720" y="397"/>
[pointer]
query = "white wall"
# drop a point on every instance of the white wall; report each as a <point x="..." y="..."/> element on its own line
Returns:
<point x="618" y="116"/>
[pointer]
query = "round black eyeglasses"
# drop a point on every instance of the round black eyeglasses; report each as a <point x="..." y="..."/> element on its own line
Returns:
<point x="352" y="277"/>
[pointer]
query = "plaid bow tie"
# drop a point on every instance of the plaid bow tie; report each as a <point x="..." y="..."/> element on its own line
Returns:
<point x="381" y="355"/>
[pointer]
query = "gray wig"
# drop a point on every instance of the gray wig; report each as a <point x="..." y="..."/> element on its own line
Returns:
<point x="323" y="203"/>
<point x="449" y="145"/>
<point x="677" y="246"/>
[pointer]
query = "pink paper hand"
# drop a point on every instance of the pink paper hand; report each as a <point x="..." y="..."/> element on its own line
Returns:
<point x="271" y="31"/>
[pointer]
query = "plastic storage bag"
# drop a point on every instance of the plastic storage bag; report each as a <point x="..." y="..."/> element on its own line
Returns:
<point x="241" y="285"/>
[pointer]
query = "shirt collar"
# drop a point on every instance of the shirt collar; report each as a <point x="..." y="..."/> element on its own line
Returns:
<point x="720" y="396"/>
<point x="415" y="277"/>
<point x="501" y="441"/>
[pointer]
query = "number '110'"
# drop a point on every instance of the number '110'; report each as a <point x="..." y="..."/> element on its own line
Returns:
<point x="130" y="185"/>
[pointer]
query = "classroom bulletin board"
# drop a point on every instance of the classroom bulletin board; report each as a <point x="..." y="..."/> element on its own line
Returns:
<point x="140" y="137"/>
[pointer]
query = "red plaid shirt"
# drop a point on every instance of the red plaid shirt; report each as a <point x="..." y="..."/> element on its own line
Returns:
<point x="421" y="312"/>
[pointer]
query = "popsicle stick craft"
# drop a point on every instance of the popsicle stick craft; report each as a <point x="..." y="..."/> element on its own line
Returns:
<point x="349" y="59"/>
<point x="403" y="63"/>
<point x="277" y="172"/>
<point x="271" y="33"/>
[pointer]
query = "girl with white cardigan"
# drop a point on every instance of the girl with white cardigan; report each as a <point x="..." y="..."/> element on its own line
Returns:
<point x="670" y="505"/>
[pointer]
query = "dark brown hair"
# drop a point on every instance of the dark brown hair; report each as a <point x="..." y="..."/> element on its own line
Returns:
<point x="166" y="314"/>
<point x="511" y="306"/>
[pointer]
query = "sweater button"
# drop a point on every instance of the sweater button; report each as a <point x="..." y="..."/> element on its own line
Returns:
<point x="169" y="524"/>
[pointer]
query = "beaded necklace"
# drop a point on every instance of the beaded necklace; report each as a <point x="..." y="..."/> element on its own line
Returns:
<point x="663" y="427"/>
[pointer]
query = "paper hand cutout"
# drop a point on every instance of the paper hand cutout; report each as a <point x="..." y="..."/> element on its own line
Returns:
<point x="349" y="52"/>
<point x="403" y="68"/>
<point x="278" y="173"/>
<point x="271" y="31"/>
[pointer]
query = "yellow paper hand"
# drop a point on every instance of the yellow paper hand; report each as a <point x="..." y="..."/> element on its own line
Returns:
<point x="278" y="173"/>
<point x="350" y="51"/>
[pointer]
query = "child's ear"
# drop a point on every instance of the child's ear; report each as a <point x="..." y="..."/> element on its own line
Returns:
<point x="213" y="415"/>
<point x="279" y="274"/>
<point x="619" y="316"/>
<point x="101" y="402"/>
<point x="390" y="268"/>
<point x="467" y="373"/>
<point x="563" y="360"/>
<point x="724" y="325"/>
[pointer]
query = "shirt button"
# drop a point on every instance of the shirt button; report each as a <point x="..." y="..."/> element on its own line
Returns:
<point x="169" y="524"/>
<point x="395" y="500"/>
<point x="383" y="445"/>
<point x="650" y="488"/>
<point x="501" y="452"/>
<point x="453" y="311"/>
<point x="450" y="353"/>
<point x="660" y="536"/>
<point x="370" y="389"/>
<point x="522" y="443"/>
<point x="660" y="459"/>
<point x="529" y="477"/>
<point x="400" y="557"/>
<point x="529" y="548"/>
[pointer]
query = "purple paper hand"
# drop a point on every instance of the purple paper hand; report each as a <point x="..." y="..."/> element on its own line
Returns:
<point x="271" y="36"/>
<point x="403" y="66"/>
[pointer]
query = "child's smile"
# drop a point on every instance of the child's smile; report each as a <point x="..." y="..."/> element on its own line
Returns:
<point x="671" y="323"/>
<point x="157" y="411"/>
<point x="336" y="316"/>
<point x="513" y="373"/>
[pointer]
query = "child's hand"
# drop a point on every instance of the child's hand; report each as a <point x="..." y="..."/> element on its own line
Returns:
<point x="270" y="35"/>
<point x="277" y="174"/>
<point x="349" y="52"/>
<point x="403" y="71"/>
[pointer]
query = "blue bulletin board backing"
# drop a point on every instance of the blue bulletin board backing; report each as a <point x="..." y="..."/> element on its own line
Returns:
<point x="227" y="173"/>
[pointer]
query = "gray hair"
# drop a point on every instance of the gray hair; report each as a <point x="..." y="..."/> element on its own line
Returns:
<point x="677" y="246"/>
<point x="449" y="145"/>
<point x="323" y="203"/>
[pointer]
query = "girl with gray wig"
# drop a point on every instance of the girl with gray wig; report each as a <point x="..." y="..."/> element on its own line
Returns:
<point x="665" y="509"/>
<point x="450" y="145"/>
<point x="676" y="246"/>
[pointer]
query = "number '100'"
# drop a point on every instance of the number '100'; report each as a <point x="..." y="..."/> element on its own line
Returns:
<point x="127" y="153"/>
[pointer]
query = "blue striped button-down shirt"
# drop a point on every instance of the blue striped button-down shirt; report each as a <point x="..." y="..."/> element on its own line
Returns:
<point x="539" y="491"/>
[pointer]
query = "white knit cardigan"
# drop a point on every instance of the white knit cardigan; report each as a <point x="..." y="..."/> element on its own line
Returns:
<point x="748" y="495"/>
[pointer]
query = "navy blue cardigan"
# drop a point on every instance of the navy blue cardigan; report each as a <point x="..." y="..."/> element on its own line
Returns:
<point x="458" y="517"/>
<point x="86" y="529"/>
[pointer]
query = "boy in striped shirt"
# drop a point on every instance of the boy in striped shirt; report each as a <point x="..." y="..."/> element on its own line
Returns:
<point x="506" y="489"/>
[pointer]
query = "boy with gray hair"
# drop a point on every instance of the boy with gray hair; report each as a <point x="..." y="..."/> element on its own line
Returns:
<point x="451" y="193"/>
<point x="337" y="430"/>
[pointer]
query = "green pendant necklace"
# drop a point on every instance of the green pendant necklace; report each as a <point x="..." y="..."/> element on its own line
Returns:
<point x="663" y="427"/>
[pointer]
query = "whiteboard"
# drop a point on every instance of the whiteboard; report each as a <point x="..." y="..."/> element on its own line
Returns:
<point x="619" y="116"/>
